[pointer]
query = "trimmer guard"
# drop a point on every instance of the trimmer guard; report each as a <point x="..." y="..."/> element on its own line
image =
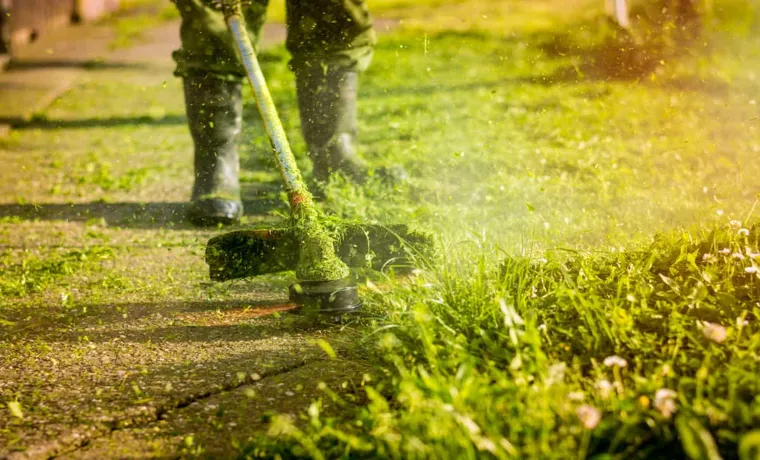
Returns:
<point x="258" y="251"/>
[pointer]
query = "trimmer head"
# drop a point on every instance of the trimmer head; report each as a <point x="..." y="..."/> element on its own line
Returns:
<point x="247" y="253"/>
<point x="326" y="297"/>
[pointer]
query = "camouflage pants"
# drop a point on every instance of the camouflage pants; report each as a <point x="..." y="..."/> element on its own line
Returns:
<point x="321" y="33"/>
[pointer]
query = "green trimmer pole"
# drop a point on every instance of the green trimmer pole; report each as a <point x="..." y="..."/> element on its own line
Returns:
<point x="318" y="266"/>
<point x="297" y="192"/>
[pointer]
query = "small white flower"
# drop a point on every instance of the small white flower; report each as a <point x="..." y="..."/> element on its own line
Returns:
<point x="604" y="387"/>
<point x="615" y="361"/>
<point x="576" y="396"/>
<point x="719" y="212"/>
<point x="738" y="256"/>
<point x="589" y="416"/>
<point x="665" y="401"/>
<point x="666" y="370"/>
<point x="712" y="331"/>
<point x="740" y="322"/>
<point x="751" y="270"/>
<point x="556" y="373"/>
<point x="735" y="224"/>
<point x="708" y="257"/>
<point x="743" y="232"/>
<point x="724" y="251"/>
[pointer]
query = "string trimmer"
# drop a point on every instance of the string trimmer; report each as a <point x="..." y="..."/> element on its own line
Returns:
<point x="318" y="249"/>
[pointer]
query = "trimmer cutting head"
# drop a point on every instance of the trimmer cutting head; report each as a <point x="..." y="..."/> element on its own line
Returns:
<point x="247" y="253"/>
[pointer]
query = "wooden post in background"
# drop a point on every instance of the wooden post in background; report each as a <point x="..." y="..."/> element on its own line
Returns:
<point x="25" y="20"/>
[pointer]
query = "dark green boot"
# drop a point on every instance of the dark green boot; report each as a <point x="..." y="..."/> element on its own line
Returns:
<point x="327" y="103"/>
<point x="214" y="114"/>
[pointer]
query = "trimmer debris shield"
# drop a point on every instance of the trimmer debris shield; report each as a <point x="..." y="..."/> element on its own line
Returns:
<point x="247" y="253"/>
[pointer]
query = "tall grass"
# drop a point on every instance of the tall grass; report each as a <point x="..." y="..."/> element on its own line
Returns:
<point x="645" y="354"/>
<point x="651" y="352"/>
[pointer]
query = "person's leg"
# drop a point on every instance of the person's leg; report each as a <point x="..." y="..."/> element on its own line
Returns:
<point x="212" y="76"/>
<point x="331" y="43"/>
<point x="214" y="107"/>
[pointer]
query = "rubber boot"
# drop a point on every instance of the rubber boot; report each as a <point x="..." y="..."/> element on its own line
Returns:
<point x="327" y="104"/>
<point x="214" y="114"/>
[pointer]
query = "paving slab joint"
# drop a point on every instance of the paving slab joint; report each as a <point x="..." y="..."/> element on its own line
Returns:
<point x="78" y="438"/>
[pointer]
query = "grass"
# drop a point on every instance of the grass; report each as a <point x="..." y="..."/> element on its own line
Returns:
<point x="135" y="17"/>
<point x="649" y="354"/>
<point x="595" y="299"/>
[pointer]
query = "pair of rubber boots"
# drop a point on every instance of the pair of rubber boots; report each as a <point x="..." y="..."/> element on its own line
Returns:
<point x="327" y="104"/>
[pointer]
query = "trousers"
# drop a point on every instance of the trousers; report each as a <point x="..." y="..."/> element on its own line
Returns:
<point x="331" y="34"/>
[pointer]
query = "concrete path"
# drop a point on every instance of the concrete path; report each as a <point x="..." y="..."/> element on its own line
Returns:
<point x="42" y="71"/>
<point x="113" y="344"/>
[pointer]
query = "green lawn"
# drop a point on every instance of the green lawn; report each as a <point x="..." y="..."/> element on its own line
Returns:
<point x="582" y="307"/>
